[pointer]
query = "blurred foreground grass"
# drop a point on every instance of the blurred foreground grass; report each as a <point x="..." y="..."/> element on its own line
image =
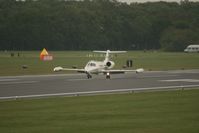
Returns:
<point x="150" y="112"/>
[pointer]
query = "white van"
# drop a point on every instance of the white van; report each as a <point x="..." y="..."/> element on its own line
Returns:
<point x="192" y="48"/>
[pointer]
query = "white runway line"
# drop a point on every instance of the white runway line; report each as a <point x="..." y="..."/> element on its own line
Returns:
<point x="181" y="80"/>
<point x="35" y="76"/>
<point x="98" y="92"/>
<point x="78" y="79"/>
<point x="185" y="71"/>
<point x="160" y="76"/>
<point x="19" y="82"/>
<point x="7" y="80"/>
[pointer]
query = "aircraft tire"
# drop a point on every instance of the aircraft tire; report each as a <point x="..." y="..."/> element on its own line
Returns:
<point x="108" y="76"/>
<point x="89" y="76"/>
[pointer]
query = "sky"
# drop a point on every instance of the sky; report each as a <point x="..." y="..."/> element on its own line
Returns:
<point x="129" y="1"/>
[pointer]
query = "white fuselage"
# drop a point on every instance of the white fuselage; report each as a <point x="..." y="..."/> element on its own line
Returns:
<point x="94" y="67"/>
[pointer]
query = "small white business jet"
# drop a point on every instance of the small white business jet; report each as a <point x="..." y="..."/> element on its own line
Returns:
<point x="97" y="67"/>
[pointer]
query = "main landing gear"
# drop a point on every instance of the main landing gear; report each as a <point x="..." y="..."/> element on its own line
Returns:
<point x="89" y="76"/>
<point x="108" y="76"/>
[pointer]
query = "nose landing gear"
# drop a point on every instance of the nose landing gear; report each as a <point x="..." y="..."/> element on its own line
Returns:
<point x="108" y="76"/>
<point x="88" y="75"/>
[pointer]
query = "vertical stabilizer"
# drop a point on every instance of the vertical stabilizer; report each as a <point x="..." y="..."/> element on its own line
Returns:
<point x="107" y="58"/>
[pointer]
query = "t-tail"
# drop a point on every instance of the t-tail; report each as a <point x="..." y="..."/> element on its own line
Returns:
<point x="108" y="52"/>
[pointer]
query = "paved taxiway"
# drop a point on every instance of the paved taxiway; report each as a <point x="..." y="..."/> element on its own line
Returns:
<point x="71" y="84"/>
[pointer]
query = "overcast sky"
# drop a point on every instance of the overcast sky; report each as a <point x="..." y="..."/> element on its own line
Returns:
<point x="129" y="1"/>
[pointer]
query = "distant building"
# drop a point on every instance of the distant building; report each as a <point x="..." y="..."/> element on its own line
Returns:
<point x="192" y="48"/>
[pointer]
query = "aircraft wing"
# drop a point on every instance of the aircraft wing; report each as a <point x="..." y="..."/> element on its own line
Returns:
<point x="122" y="71"/>
<point x="57" y="69"/>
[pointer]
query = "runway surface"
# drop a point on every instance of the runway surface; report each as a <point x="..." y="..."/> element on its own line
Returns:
<point x="77" y="84"/>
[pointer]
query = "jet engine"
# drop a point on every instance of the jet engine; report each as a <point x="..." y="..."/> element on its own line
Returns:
<point x="110" y="64"/>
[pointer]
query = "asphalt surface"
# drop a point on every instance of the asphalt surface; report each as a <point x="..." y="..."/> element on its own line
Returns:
<point x="76" y="84"/>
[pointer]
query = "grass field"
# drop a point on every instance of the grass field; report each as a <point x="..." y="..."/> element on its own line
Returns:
<point x="147" y="60"/>
<point x="151" y="112"/>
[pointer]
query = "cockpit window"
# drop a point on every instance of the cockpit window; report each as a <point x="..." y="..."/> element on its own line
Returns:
<point x="92" y="64"/>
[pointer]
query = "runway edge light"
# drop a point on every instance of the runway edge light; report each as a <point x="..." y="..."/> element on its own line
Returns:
<point x="45" y="56"/>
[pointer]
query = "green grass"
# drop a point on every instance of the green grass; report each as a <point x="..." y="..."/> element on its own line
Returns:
<point x="152" y="112"/>
<point x="147" y="60"/>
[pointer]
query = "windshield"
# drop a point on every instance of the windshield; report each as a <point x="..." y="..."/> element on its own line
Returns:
<point x="91" y="64"/>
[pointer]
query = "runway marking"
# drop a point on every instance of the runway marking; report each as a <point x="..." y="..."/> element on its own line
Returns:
<point x="20" y="82"/>
<point x="185" y="71"/>
<point x="181" y="80"/>
<point x="4" y="80"/>
<point x="48" y="75"/>
<point x="78" y="79"/>
<point x="159" y="76"/>
<point x="98" y="92"/>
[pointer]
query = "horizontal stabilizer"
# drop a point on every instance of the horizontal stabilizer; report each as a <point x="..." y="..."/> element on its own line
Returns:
<point x="110" y="52"/>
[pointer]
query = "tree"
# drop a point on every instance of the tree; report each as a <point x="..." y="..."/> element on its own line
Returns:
<point x="97" y="24"/>
<point x="177" y="39"/>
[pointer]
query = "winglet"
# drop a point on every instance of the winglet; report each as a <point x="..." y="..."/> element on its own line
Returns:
<point x="140" y="70"/>
<point x="57" y="69"/>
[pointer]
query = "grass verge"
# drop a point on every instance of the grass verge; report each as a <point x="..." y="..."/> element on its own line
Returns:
<point x="151" y="112"/>
<point x="147" y="60"/>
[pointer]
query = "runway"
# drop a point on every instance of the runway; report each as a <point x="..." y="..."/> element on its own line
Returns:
<point x="78" y="84"/>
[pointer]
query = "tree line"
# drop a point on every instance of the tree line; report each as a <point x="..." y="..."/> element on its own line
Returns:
<point x="97" y="24"/>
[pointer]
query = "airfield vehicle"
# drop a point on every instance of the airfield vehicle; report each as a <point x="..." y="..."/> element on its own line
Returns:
<point x="192" y="48"/>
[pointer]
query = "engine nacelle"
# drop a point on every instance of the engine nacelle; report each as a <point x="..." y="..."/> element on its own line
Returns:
<point x="110" y="64"/>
